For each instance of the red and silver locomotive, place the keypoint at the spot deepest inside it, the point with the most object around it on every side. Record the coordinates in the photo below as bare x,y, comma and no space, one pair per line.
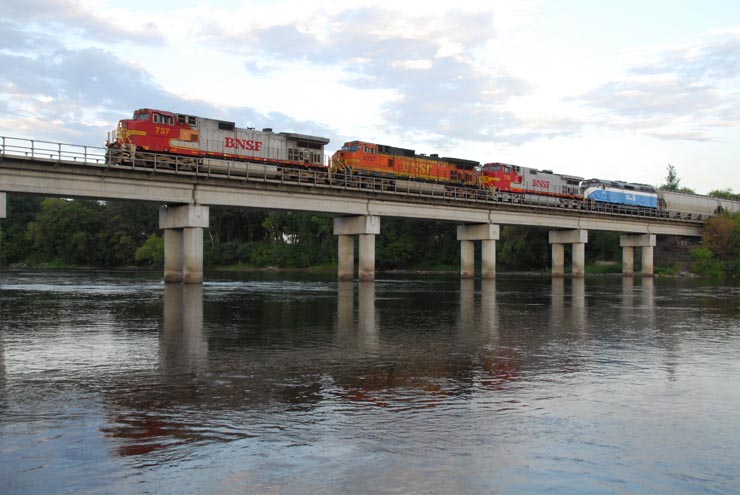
157,131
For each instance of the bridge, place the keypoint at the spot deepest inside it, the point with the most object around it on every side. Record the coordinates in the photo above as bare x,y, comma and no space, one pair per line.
186,188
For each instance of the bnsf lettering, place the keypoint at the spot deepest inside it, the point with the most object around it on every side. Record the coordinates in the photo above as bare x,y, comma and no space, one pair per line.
541,183
245,144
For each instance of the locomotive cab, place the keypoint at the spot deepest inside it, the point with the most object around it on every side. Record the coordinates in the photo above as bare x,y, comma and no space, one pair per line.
352,154
501,176
157,131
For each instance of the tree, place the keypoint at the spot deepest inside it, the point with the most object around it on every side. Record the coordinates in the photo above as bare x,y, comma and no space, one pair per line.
725,194
721,236
152,251
671,180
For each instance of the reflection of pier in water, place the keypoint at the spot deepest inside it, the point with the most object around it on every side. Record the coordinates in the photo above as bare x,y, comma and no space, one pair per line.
415,366
182,344
573,315
482,317
638,302
363,331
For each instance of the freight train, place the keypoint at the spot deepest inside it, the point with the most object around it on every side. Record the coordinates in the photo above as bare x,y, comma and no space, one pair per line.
161,137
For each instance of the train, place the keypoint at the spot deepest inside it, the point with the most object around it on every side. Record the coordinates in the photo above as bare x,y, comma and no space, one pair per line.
156,136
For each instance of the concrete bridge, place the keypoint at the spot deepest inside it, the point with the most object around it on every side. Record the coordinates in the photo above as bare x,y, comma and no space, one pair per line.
358,203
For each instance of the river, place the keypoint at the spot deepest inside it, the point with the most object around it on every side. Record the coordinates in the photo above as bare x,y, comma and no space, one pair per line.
113,383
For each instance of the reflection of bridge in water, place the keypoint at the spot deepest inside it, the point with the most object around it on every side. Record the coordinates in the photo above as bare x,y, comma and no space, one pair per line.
365,360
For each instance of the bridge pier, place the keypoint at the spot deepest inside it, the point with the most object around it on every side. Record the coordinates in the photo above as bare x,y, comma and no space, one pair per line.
488,234
183,242
629,242
345,228
3,213
578,239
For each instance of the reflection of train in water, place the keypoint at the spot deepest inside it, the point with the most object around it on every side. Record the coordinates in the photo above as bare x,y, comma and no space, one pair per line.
165,139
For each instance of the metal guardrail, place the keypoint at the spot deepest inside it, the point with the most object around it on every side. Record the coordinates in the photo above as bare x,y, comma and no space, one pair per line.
244,172
46,150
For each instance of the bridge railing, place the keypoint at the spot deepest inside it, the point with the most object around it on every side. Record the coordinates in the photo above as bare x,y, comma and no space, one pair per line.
47,150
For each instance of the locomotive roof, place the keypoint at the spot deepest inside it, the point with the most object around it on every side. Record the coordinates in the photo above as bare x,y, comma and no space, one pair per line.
306,137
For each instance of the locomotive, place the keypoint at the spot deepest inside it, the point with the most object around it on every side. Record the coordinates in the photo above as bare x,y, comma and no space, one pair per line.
155,131
362,158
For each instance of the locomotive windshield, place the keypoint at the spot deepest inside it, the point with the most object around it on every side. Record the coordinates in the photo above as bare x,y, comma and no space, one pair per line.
142,116
351,147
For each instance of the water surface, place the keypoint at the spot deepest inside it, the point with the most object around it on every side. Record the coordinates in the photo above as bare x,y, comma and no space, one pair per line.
270,383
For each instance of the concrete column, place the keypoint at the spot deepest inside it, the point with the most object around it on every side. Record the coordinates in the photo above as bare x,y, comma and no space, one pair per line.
467,259
488,253
367,257
346,255
367,227
579,259
577,238
183,242
645,241
628,260
558,260
3,212
647,260
488,234
173,256
192,255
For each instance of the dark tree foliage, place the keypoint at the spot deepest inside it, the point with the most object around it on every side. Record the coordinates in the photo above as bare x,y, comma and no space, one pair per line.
719,255
603,246
524,248
21,210
725,194
414,244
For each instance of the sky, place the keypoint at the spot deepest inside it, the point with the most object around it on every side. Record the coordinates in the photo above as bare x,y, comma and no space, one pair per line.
592,88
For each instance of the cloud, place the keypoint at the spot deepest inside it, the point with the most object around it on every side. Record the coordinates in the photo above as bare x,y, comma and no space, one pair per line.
653,98
427,62
685,94
715,57
70,16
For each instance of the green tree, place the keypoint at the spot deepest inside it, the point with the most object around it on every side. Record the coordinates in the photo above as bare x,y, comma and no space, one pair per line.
725,194
524,248
672,182
152,251
21,210
721,235
720,252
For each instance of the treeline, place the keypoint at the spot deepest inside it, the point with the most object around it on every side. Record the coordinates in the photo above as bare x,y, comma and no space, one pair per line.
56,232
